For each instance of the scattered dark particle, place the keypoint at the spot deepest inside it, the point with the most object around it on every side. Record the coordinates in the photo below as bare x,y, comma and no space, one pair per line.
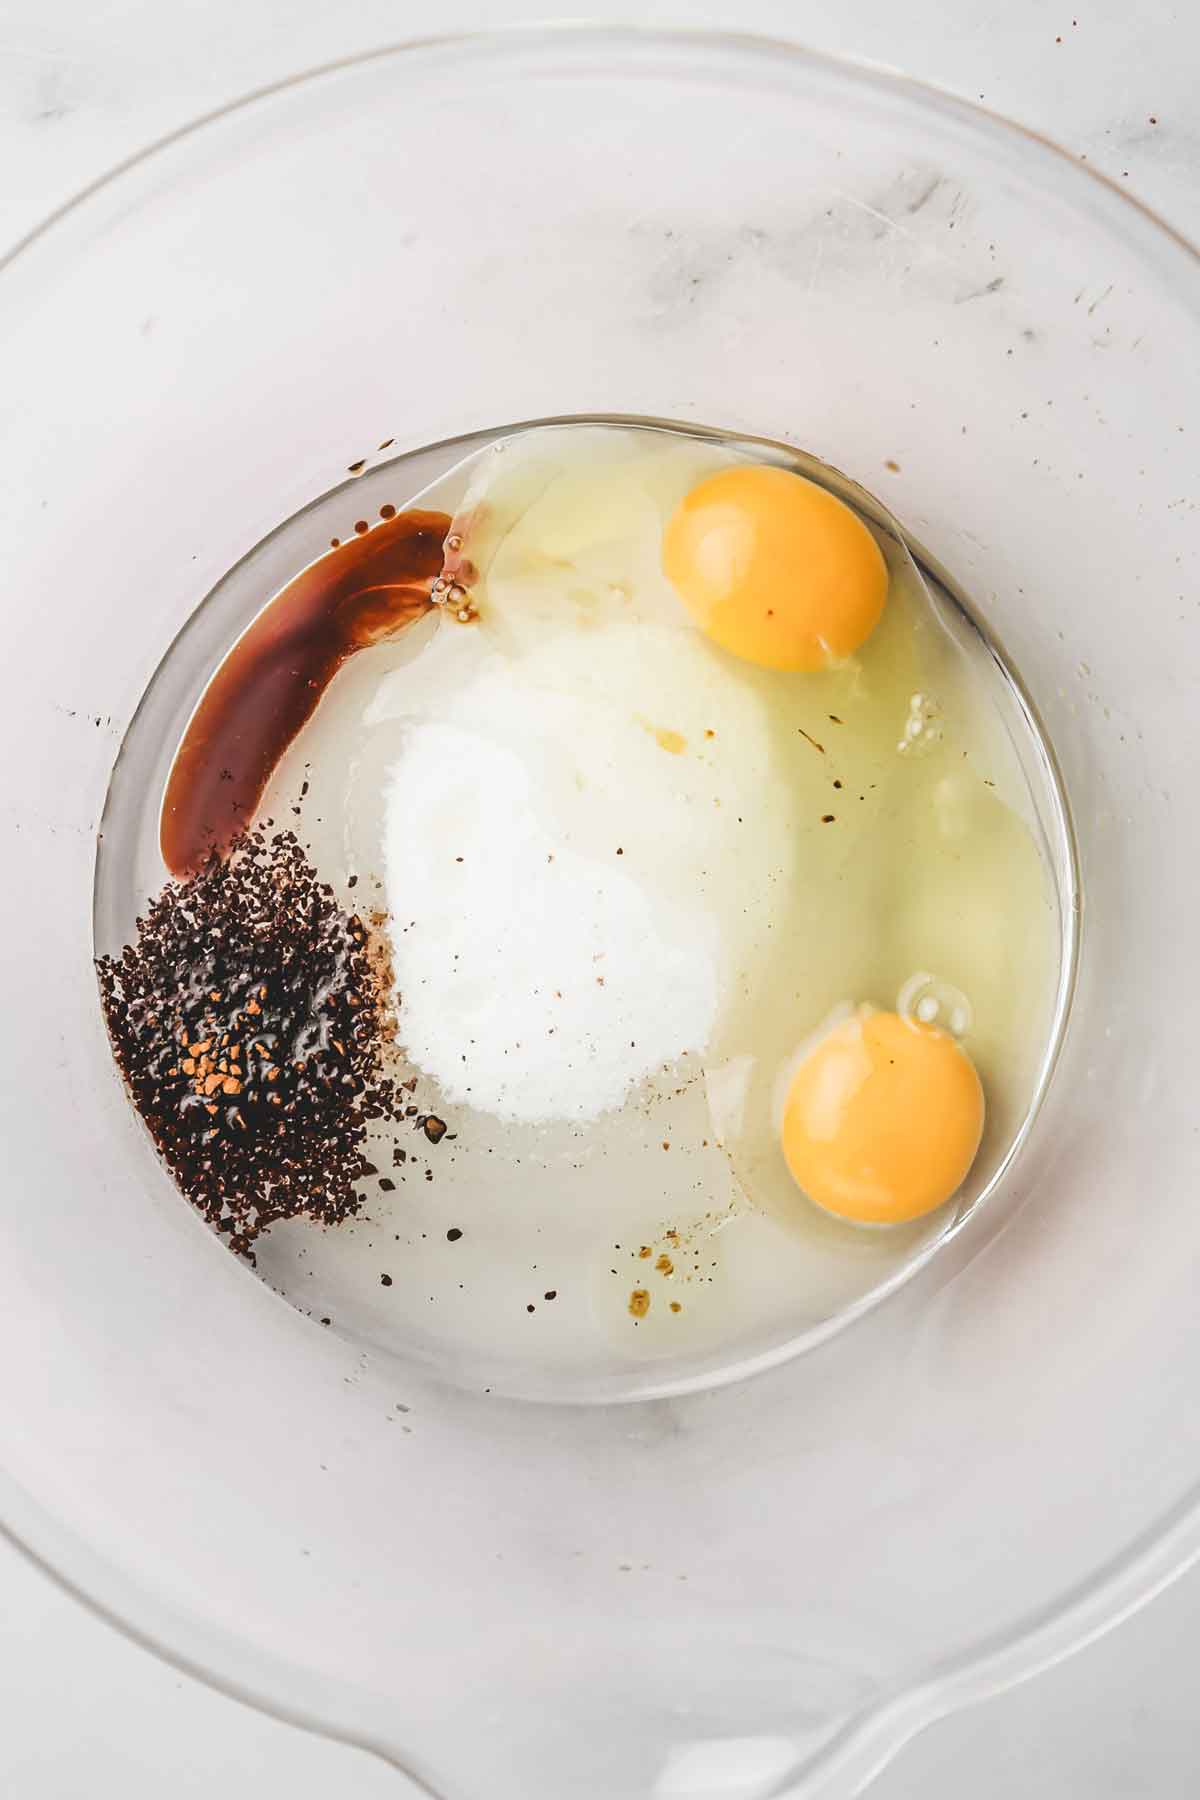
827,818
387,1184
834,720
385,1281
361,526
893,466
399,1157
837,784
335,543
453,1235
352,881
434,1128
620,852
356,468
326,1321
676,1307
250,954
387,511
387,443
531,1307
550,1294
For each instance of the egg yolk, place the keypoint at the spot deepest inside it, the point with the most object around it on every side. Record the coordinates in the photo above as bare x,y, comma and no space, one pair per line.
882,1119
774,568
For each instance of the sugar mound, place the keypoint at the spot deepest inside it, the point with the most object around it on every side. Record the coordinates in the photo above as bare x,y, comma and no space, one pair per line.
536,982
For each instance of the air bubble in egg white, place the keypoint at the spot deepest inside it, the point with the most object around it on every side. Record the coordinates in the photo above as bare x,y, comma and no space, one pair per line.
931,1001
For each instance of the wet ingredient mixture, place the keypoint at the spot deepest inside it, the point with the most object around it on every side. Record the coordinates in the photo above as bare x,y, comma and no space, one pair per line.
705,908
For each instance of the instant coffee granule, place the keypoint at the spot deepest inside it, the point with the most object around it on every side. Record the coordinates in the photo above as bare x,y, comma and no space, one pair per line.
250,1026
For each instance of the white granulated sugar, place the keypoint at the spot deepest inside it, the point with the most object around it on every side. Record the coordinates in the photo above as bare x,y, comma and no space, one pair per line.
536,981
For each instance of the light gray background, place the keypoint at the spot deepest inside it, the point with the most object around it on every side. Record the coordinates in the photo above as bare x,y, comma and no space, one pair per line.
83,83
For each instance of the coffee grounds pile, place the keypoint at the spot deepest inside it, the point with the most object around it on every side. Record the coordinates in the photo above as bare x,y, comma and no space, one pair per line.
247,1021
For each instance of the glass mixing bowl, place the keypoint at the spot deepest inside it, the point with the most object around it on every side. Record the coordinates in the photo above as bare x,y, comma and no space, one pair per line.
751,1590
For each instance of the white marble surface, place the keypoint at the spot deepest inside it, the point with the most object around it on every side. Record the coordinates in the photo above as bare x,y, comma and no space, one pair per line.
83,85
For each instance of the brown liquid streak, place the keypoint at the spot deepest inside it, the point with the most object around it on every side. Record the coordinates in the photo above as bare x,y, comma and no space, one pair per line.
269,684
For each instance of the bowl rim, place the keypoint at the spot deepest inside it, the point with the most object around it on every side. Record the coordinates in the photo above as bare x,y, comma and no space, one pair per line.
878,74
868,1740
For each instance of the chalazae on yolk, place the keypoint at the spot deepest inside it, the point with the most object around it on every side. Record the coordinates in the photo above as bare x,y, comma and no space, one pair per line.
775,569
882,1119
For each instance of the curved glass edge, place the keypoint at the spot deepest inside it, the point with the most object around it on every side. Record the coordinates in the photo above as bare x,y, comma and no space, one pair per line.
864,1747
582,31
868,1743
272,1685
843,1768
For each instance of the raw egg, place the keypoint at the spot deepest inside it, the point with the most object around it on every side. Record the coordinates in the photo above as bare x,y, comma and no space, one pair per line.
882,1119
774,568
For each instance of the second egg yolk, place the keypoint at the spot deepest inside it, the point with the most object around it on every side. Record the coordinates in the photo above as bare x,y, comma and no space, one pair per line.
882,1119
774,568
